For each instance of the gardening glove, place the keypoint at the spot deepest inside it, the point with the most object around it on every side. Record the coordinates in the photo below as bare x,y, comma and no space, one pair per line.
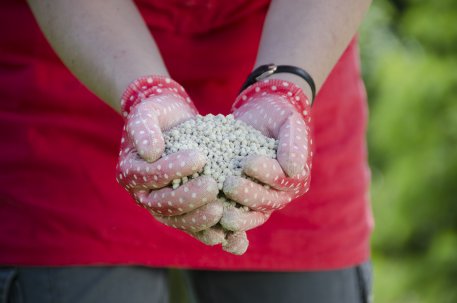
151,105
279,109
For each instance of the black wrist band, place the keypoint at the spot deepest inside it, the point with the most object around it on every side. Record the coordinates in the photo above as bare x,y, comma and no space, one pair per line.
267,70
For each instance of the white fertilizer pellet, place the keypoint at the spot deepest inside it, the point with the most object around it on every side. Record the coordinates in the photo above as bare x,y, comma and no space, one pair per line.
226,142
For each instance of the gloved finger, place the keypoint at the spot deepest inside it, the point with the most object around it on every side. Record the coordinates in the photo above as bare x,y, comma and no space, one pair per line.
211,236
268,171
236,243
197,220
233,242
293,145
254,195
264,169
147,120
238,219
137,173
174,202
144,132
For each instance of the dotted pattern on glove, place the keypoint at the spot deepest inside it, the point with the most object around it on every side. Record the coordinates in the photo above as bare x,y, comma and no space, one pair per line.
281,110
147,86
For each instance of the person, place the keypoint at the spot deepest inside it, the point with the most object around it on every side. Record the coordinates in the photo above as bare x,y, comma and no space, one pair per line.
70,233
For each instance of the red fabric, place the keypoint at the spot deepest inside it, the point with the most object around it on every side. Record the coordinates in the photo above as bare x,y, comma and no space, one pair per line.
59,200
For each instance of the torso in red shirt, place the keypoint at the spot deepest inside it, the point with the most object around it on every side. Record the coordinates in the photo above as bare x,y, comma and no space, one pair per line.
59,200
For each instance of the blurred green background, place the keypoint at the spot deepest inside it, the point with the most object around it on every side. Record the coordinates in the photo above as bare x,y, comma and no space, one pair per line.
409,59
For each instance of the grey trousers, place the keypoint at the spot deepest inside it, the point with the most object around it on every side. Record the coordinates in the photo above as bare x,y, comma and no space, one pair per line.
135,284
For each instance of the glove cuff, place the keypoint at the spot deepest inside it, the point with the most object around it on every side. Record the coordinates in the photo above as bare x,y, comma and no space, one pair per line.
286,89
153,85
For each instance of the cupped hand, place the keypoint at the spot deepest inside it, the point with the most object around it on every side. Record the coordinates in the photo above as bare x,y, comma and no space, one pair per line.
279,109
150,106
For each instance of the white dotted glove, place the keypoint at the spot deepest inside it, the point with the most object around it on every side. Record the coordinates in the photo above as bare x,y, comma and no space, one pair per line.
278,109
151,105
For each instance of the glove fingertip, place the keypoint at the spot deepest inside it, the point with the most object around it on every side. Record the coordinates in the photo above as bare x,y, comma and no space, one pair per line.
230,219
293,170
231,184
211,236
150,151
236,243
197,158
251,162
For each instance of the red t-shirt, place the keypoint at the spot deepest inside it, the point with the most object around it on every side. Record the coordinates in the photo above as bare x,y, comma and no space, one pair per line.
59,200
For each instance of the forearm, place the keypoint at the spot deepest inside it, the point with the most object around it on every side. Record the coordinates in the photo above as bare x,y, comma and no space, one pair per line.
104,43
311,34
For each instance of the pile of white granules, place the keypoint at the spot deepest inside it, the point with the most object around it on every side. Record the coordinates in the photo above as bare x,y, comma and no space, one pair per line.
224,141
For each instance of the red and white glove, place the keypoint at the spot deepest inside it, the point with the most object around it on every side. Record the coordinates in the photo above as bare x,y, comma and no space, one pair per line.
281,110
151,105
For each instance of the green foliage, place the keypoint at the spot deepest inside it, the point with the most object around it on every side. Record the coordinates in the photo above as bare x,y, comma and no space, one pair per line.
410,67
